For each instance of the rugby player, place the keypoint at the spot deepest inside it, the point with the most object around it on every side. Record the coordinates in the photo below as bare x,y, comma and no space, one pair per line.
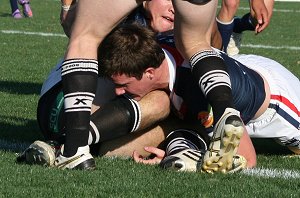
193,25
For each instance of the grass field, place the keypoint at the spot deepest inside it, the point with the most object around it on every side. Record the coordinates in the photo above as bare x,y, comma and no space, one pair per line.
29,48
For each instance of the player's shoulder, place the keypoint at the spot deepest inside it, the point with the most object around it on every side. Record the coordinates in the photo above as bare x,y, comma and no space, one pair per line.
167,42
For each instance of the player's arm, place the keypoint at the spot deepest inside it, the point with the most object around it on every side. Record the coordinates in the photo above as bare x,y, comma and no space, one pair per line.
258,8
67,15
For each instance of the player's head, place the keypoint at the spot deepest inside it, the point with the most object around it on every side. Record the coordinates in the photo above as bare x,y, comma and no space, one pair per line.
160,14
129,55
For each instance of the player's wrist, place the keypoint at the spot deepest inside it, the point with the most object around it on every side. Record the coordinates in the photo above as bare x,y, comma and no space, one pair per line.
67,5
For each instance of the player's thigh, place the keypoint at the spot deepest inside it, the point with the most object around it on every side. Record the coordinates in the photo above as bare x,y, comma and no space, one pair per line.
193,25
94,20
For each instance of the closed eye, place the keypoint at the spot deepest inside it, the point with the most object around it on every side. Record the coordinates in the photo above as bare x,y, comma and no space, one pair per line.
120,85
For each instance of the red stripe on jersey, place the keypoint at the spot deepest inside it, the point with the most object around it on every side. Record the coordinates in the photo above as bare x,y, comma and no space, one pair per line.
286,101
177,56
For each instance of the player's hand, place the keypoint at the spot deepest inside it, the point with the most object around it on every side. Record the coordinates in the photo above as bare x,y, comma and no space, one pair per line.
260,11
159,155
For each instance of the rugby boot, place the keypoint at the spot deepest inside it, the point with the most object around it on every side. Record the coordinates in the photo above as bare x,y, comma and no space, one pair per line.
239,163
17,14
224,143
26,8
189,160
82,160
234,44
40,153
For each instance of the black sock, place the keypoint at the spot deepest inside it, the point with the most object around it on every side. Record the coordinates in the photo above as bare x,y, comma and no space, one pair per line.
79,78
14,6
209,70
225,30
114,119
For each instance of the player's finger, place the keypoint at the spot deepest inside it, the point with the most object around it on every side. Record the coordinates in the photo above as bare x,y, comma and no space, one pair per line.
156,151
137,157
140,159
264,24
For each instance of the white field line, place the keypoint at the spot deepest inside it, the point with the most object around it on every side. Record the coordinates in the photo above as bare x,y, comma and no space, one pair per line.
32,33
272,173
293,48
274,10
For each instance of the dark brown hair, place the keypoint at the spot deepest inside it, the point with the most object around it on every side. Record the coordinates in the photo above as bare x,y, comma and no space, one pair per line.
129,49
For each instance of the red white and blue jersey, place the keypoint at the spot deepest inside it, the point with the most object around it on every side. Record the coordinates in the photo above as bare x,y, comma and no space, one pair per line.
190,103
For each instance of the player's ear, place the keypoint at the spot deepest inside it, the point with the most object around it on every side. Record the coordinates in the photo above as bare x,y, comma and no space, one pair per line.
150,71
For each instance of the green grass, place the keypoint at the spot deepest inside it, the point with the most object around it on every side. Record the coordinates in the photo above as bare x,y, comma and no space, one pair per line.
27,59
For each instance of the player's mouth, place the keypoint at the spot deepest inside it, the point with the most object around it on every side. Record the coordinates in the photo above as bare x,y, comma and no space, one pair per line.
169,19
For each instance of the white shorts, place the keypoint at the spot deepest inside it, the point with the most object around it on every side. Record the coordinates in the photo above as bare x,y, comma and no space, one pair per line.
281,120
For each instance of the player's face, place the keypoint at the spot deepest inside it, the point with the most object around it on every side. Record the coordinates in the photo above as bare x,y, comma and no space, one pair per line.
161,14
132,86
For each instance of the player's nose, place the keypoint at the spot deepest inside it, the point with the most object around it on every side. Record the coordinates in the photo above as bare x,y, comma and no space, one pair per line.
120,91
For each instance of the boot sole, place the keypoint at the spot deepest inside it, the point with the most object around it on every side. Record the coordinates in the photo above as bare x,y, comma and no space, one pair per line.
222,161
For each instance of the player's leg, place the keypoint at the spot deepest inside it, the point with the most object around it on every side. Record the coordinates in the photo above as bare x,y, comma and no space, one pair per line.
285,99
192,34
281,119
124,146
94,20
193,26
113,120
246,149
50,112
151,136
225,20
153,108
154,136
26,8
216,38
15,12
122,116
